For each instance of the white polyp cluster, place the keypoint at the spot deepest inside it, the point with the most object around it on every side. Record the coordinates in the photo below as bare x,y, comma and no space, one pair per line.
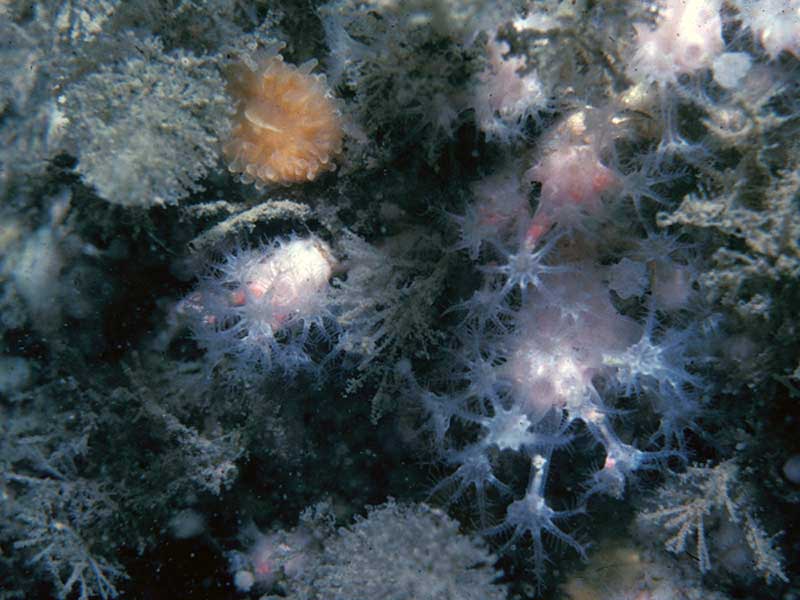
506,94
688,38
628,278
287,282
572,174
258,306
558,347
775,23
547,375
508,429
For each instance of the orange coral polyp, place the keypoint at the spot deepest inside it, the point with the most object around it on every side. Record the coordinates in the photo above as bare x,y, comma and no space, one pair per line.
286,129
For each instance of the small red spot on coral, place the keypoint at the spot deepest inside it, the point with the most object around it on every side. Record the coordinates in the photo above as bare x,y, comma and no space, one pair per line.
538,227
603,179
238,298
263,568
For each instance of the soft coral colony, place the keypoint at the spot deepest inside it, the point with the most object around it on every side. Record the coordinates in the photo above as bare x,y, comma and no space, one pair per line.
505,222
582,306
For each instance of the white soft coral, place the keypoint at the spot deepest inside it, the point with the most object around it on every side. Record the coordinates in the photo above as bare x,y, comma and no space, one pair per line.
531,515
688,38
506,95
258,306
776,23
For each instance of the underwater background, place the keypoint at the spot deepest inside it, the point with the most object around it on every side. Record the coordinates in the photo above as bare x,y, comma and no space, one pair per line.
400,299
